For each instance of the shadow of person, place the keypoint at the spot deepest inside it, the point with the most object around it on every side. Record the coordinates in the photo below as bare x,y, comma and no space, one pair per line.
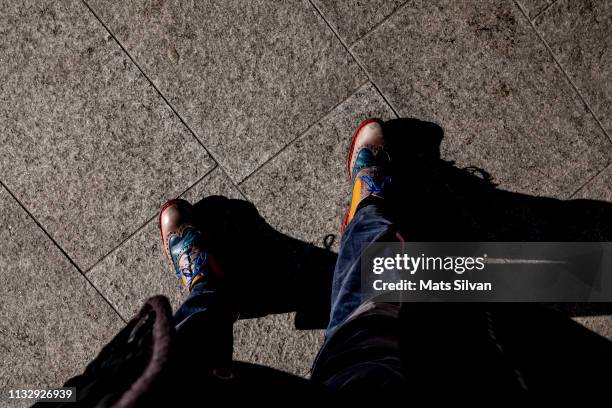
437,201
433,200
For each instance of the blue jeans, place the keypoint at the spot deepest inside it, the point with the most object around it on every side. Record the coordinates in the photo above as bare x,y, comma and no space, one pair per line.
204,324
207,307
370,224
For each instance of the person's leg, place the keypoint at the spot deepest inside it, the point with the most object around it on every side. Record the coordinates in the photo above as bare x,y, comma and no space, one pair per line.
361,350
370,224
204,321
365,221
204,325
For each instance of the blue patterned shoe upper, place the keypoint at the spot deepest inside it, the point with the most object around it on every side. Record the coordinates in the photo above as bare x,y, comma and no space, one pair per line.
188,257
366,158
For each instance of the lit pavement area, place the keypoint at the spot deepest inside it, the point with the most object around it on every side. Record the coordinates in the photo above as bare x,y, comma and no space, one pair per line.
111,108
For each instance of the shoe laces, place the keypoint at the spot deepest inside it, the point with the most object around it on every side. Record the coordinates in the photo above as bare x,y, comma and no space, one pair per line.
374,187
195,266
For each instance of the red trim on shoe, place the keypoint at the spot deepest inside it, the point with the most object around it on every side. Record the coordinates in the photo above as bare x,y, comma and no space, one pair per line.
350,154
161,211
344,221
348,165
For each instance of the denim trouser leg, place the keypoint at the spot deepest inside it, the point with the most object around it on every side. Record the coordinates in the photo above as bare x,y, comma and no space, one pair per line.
204,322
206,317
369,225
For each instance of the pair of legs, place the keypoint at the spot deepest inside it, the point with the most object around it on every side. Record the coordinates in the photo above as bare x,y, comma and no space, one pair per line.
210,303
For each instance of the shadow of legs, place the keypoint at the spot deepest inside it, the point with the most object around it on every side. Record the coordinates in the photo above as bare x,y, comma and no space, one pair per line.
271,272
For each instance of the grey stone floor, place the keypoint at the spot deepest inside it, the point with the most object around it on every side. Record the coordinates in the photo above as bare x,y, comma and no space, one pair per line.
110,108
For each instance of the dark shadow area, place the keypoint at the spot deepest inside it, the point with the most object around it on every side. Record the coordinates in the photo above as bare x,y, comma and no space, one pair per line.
435,201
270,271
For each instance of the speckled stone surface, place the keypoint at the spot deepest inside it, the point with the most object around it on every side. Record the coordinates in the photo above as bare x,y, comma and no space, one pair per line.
247,77
352,19
579,33
86,144
479,70
52,321
534,7
303,192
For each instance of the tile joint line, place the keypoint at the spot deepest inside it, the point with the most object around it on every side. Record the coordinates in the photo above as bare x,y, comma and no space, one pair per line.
141,227
301,134
544,10
167,102
590,179
64,253
380,23
569,79
531,22
347,48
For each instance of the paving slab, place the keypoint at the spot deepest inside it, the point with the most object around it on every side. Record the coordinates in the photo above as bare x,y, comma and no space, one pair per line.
303,192
535,7
247,77
480,71
579,32
52,321
137,270
86,143
352,19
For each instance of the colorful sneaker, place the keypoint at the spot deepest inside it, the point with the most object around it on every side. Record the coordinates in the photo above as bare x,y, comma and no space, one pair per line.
367,166
183,244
